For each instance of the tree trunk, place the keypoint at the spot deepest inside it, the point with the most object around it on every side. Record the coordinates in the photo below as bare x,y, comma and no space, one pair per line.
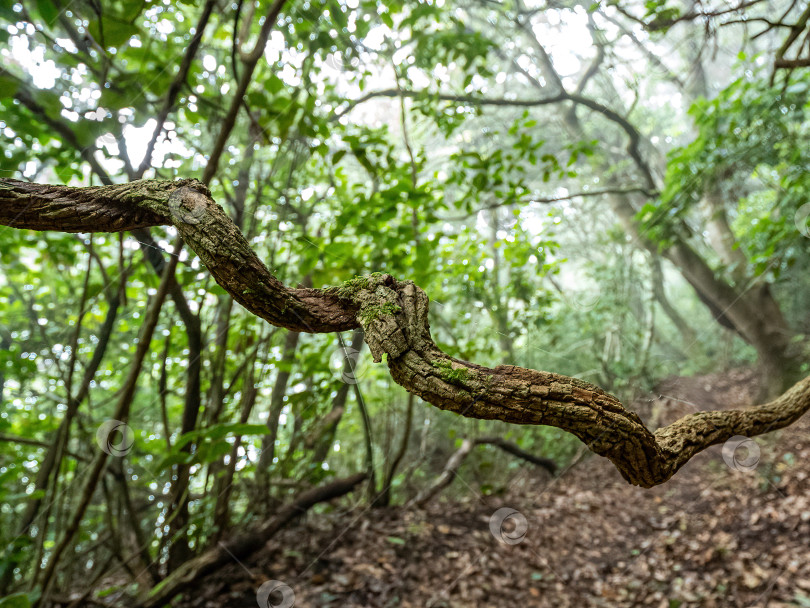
276,406
752,313
326,437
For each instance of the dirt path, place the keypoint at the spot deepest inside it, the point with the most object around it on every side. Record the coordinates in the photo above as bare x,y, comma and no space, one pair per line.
712,536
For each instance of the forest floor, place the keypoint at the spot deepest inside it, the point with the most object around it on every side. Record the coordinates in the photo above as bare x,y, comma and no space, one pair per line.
712,536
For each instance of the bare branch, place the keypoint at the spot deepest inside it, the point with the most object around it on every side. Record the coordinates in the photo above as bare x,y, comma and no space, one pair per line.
457,459
176,85
250,65
554,199
661,24
632,133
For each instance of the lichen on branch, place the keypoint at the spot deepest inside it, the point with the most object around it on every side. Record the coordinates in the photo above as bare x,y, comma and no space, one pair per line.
394,315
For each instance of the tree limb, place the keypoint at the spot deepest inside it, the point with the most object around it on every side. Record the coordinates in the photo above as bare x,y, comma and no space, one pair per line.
176,85
632,133
394,315
459,456
512,448
547,200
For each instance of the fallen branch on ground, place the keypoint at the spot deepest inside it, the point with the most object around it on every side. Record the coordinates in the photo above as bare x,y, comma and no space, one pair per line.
460,455
512,448
194,570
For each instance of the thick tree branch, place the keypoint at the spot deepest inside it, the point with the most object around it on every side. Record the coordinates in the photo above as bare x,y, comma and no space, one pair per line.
394,316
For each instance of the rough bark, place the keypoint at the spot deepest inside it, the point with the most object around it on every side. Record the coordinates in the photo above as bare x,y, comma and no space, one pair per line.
394,316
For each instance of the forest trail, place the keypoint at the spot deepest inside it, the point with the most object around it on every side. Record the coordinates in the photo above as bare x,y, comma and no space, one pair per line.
215,217
712,536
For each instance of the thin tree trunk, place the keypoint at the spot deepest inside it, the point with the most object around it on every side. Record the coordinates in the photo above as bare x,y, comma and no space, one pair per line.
60,437
216,393
224,482
367,434
384,498
276,406
148,564
5,344
121,414
688,335
326,438
178,514
178,507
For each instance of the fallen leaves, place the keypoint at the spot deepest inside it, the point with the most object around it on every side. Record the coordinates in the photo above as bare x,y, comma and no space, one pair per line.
711,537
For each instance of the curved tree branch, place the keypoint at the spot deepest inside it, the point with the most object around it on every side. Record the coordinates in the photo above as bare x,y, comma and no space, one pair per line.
394,316
633,135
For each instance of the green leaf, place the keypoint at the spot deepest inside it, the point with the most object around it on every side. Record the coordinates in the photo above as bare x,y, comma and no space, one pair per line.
222,430
17,600
8,87
48,12
112,31
337,156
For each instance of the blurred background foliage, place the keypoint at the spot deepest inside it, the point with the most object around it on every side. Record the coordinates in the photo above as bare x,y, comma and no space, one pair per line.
477,148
